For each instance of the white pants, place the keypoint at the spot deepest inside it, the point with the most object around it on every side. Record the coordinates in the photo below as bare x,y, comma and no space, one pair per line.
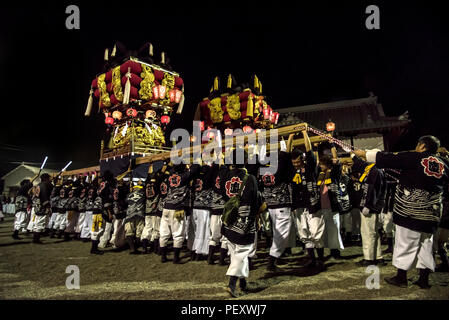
311,229
21,220
413,246
386,220
118,236
39,223
171,227
80,223
87,226
215,232
239,266
332,237
52,219
32,219
151,229
60,221
98,227
201,229
371,243
254,249
106,235
281,219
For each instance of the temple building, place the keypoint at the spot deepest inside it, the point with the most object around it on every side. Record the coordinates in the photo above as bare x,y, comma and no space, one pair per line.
359,122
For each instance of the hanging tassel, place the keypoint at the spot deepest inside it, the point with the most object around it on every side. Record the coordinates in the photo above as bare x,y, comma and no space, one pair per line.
163,58
127,87
148,128
89,103
106,54
229,84
216,84
256,82
115,132
125,129
260,87
114,50
151,50
250,107
181,102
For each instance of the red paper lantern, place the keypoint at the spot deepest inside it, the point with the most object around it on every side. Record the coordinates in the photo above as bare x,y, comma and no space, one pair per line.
165,119
210,134
178,95
162,89
330,126
172,95
202,125
266,113
247,129
117,115
109,120
131,112
156,92
276,118
228,132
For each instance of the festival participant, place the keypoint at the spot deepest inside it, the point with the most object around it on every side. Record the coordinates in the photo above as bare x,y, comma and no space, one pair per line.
417,207
355,196
135,219
61,218
334,198
86,230
54,200
82,210
442,234
277,196
387,214
72,210
202,199
241,230
119,207
22,201
174,214
216,240
152,221
371,204
42,207
102,209
311,219
163,190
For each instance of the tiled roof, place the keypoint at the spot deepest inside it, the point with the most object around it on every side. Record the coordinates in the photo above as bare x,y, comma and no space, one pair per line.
350,116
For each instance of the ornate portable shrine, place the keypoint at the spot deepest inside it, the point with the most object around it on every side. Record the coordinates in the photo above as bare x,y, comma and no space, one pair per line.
238,107
137,98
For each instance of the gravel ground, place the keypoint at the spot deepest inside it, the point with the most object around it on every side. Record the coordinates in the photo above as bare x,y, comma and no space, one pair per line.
31,271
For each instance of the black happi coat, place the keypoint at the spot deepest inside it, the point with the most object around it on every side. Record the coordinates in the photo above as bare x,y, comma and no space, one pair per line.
217,197
152,190
337,183
275,184
119,204
374,185
299,189
163,191
418,198
243,231
136,203
178,183
105,198
41,200
202,186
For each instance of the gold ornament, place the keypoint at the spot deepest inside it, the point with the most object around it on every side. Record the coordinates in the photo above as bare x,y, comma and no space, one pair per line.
147,84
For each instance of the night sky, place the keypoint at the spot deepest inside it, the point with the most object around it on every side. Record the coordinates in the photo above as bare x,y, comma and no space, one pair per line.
303,54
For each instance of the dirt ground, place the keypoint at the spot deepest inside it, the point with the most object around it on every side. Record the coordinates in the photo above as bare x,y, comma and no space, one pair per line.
31,271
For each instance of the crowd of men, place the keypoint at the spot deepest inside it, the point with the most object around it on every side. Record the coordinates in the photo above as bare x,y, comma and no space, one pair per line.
305,200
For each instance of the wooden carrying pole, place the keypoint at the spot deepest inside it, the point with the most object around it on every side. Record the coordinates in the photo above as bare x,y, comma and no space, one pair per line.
231,141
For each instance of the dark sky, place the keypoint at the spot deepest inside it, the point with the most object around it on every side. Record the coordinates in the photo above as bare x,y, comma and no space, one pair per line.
303,54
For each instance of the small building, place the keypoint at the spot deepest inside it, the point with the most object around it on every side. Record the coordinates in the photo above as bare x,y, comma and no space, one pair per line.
359,122
11,180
